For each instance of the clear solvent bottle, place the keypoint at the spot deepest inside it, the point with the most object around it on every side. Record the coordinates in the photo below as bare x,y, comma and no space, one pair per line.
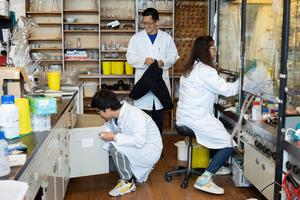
4,162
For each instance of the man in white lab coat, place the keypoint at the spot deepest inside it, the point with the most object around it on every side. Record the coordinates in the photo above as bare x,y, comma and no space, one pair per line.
145,47
199,86
135,142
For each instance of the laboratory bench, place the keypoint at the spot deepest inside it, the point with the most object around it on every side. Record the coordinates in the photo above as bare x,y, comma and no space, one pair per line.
71,149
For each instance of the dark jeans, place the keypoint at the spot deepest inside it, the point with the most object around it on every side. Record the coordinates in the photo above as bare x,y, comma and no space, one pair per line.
157,116
219,159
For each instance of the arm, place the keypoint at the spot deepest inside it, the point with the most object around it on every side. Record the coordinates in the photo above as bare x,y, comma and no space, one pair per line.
138,134
171,54
217,85
133,57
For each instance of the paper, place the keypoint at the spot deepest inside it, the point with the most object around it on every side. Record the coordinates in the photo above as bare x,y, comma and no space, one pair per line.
12,190
87,142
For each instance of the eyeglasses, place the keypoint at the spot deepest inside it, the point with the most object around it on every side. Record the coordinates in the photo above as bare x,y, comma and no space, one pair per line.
148,23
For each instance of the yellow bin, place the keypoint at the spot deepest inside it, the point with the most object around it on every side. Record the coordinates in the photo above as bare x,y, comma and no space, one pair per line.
200,157
106,68
113,67
128,69
24,114
54,80
119,67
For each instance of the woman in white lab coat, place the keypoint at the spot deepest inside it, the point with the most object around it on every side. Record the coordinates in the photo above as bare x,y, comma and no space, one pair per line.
135,141
146,46
199,87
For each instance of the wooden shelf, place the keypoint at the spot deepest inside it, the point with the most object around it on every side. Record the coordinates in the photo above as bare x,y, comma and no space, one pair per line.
119,19
51,60
44,39
114,51
89,76
36,49
81,10
83,48
83,60
81,23
49,23
117,31
121,91
81,31
161,11
113,59
117,76
44,12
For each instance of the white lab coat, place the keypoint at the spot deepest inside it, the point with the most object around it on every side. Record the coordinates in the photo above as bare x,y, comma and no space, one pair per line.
197,94
138,138
139,48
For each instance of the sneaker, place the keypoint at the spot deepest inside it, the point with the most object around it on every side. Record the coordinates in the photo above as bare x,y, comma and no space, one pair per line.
204,178
223,171
210,187
123,187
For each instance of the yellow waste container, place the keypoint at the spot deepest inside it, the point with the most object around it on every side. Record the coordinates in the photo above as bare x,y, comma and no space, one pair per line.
24,114
113,68
200,157
119,67
54,80
106,68
128,69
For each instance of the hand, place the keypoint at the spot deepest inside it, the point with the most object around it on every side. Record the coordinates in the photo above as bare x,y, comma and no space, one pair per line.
149,61
107,136
160,63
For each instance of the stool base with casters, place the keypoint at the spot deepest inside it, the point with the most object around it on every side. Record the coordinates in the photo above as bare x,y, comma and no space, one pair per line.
187,171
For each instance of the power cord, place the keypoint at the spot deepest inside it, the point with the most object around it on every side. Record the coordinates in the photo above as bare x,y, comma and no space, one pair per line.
261,191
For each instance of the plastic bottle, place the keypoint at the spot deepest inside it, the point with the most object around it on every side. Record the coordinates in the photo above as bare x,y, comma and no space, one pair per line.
9,117
4,163
256,110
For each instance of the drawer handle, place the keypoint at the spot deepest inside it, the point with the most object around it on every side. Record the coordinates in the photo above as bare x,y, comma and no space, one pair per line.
256,160
263,166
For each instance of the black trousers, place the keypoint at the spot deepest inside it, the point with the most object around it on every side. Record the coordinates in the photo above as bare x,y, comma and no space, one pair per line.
157,116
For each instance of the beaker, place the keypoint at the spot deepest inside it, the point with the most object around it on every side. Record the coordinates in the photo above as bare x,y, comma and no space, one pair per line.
55,6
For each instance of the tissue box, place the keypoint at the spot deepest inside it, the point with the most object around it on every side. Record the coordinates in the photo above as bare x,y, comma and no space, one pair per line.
43,105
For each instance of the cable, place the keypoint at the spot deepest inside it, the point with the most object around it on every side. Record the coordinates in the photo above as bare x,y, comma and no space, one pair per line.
261,191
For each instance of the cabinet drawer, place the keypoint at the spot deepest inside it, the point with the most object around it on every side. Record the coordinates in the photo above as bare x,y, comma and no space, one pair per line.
87,157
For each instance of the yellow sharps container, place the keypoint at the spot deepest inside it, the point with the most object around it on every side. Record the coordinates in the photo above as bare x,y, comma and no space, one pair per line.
119,67
106,68
128,69
24,114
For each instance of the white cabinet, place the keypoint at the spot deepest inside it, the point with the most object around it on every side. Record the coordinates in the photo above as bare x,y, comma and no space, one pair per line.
87,157
259,170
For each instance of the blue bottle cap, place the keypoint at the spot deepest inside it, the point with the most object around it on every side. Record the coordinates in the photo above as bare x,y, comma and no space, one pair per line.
265,110
1,135
7,99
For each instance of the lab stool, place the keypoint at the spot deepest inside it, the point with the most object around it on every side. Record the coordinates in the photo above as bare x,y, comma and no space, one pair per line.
187,171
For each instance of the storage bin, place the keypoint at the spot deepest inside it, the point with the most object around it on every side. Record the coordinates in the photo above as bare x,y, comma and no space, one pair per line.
128,69
106,68
119,67
200,157
182,149
89,89
54,80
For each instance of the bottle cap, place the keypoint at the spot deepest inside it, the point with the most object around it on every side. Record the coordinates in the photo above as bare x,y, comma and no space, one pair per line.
255,103
1,135
8,99
265,110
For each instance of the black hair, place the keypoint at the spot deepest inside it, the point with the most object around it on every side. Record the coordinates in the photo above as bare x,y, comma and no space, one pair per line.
104,99
200,52
151,12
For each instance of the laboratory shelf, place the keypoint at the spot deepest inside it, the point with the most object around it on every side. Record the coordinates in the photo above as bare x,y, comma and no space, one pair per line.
293,91
292,148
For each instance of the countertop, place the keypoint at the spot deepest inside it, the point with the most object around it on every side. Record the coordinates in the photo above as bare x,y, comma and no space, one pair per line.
34,140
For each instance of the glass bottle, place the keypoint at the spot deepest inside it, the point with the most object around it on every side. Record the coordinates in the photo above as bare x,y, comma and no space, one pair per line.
55,6
40,5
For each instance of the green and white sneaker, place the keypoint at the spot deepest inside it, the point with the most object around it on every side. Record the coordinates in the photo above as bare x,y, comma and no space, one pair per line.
210,187
223,171
123,187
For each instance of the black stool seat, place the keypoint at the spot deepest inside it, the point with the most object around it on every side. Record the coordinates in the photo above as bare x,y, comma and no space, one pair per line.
187,171
185,131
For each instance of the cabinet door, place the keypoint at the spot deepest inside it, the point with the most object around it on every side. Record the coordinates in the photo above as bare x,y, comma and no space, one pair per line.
87,157
252,162
267,170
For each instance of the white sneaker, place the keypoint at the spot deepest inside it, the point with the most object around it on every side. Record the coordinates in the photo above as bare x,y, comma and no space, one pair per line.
210,187
123,187
223,171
